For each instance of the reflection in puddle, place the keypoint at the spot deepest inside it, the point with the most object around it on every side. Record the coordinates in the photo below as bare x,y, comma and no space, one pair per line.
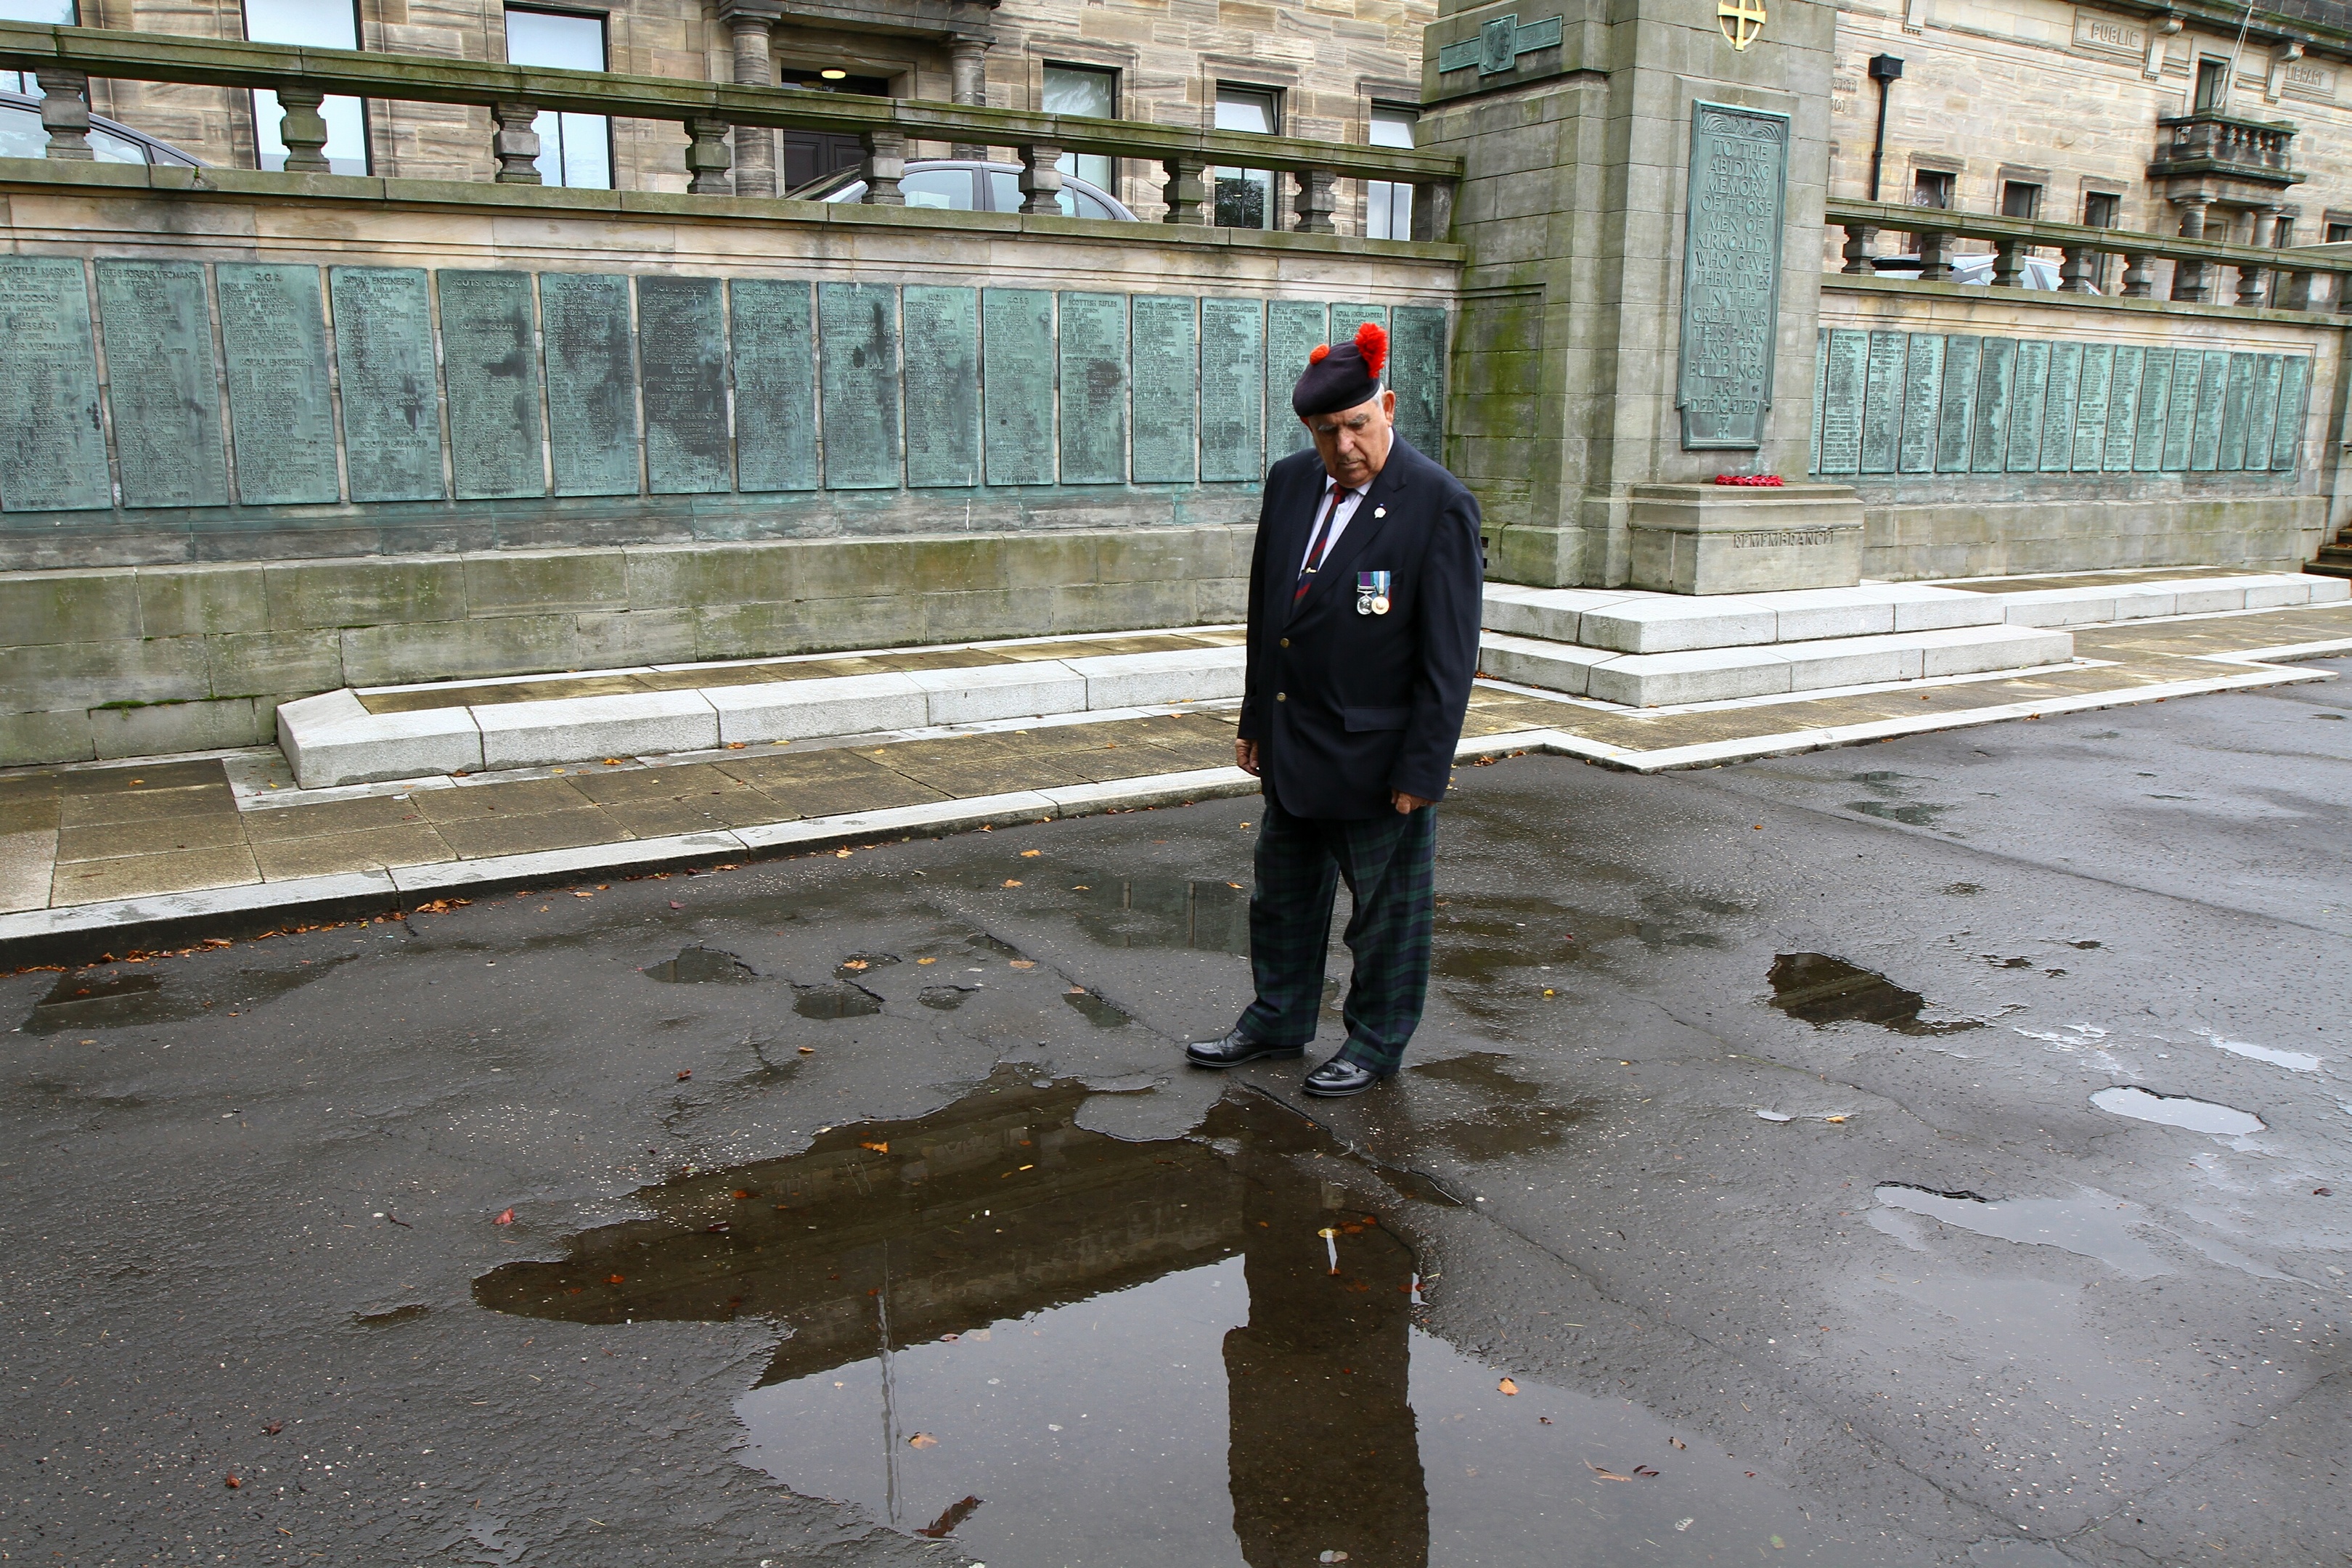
944,998
2178,1111
1102,1015
2090,1225
1911,813
1816,989
2293,1062
701,965
1192,1350
1164,911
1516,1117
96,998
834,1001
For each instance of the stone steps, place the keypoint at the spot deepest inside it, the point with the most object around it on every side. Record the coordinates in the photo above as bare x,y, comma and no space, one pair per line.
1727,673
336,739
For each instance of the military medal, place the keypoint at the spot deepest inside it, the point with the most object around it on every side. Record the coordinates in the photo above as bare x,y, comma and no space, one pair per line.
1371,593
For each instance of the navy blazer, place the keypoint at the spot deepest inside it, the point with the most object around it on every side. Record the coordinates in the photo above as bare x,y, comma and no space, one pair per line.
1348,707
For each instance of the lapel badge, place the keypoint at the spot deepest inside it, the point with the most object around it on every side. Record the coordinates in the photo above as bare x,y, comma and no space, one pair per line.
1380,512
1371,593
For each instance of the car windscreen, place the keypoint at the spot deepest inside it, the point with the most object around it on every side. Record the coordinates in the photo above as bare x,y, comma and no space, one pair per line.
22,136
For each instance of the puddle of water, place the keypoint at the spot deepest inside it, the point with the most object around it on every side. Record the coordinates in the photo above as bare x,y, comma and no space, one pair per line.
1185,1352
2090,1224
2178,1111
700,966
96,998
1163,911
2293,1062
391,1317
944,998
1816,989
1911,813
1515,1116
834,1001
1102,1015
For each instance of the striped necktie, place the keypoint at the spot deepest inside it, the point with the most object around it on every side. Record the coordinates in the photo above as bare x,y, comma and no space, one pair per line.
1319,546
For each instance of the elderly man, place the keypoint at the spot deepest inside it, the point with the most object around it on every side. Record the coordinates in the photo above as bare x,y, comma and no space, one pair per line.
1363,637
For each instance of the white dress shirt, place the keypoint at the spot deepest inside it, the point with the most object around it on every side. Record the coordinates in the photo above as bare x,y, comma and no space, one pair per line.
1348,501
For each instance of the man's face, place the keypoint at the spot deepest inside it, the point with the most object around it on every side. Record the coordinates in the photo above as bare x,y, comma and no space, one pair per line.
1354,442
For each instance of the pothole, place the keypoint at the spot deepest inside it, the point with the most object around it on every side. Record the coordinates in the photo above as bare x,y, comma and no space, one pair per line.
1817,989
2178,1111
702,966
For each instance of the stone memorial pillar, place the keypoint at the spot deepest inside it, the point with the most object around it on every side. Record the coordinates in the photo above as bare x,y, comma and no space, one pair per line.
751,23
1641,201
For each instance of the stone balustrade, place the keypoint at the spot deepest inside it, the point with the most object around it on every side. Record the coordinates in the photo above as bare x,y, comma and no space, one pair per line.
2284,278
64,60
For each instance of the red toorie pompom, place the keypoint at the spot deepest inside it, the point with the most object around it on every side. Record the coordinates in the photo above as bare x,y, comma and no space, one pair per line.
1315,355
1372,342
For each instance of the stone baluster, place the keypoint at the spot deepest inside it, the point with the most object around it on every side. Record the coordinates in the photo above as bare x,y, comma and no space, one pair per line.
2076,263
1041,180
516,143
1935,256
752,26
968,84
1859,238
706,156
2294,291
2139,275
885,166
2008,262
1186,190
1317,198
2253,284
2189,279
1433,211
65,113
303,130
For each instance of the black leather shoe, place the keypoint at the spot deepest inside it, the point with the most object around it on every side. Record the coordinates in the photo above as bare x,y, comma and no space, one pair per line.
1339,1078
1234,1049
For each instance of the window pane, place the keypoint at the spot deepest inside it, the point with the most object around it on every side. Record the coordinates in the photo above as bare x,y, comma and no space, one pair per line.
1003,191
1245,196
948,188
1388,204
574,150
1242,110
1078,204
107,147
1392,127
327,27
1073,89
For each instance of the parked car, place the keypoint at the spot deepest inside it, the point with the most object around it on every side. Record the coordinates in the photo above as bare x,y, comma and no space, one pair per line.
968,185
21,136
2032,271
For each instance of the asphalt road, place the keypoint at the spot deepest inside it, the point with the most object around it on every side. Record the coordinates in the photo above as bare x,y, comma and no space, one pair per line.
1750,1137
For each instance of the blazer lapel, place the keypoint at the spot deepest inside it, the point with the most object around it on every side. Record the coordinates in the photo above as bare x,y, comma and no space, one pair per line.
1372,516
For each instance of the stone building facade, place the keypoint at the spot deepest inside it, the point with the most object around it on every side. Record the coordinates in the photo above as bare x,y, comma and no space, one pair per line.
2122,116
1339,69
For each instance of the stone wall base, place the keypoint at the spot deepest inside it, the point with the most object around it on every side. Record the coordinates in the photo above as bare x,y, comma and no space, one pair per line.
1730,538
138,661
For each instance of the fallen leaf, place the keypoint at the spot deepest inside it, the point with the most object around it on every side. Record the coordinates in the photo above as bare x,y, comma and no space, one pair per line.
1678,1443
505,1218
1233,884
841,854
1643,1470
1600,1474
878,1148
922,1440
676,905
954,1514
737,745
1011,883
274,1428
808,1051
615,1278
2323,1192
1024,963
582,893
1332,1557
1777,1541
1031,854
1543,1420
612,762
1835,1118
926,961
741,1194
1082,887
1507,1386
854,963
232,1480
684,1073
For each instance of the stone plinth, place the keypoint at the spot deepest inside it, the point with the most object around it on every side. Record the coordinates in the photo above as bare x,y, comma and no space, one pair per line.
1731,539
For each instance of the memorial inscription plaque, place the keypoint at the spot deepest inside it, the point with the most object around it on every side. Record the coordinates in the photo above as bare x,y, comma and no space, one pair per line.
1293,329
942,386
2212,394
2123,408
1417,372
2058,394
2180,421
1017,392
1167,358
2294,385
1841,395
1731,275
2155,412
1989,432
1958,414
2261,419
1094,389
1820,396
53,451
592,383
1232,390
2236,400
1923,385
857,330
162,383
2094,390
2026,399
274,343
775,384
682,352
392,403
1882,402
492,377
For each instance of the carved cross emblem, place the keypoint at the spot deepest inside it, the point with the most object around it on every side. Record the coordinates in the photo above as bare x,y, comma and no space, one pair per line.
1740,20
1499,44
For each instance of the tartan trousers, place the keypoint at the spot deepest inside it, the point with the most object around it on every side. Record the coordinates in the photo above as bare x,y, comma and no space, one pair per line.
1389,862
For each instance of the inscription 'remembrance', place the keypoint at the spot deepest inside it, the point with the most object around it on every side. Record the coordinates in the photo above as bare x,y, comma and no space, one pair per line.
391,406
53,449
1731,275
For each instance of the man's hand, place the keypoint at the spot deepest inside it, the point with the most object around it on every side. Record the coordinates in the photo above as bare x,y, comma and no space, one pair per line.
1406,805
1245,756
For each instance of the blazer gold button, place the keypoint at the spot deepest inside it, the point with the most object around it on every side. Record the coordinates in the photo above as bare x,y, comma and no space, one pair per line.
1286,642
1282,697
